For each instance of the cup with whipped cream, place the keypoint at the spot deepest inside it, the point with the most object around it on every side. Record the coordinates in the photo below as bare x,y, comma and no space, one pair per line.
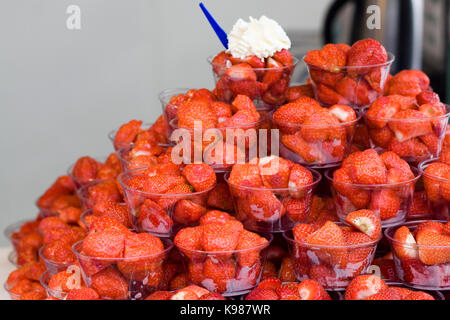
257,64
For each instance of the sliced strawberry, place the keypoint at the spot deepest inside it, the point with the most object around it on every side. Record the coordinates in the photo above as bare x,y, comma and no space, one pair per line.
312,290
408,124
299,177
380,111
364,286
412,148
386,203
303,231
201,176
365,221
405,245
434,248
275,172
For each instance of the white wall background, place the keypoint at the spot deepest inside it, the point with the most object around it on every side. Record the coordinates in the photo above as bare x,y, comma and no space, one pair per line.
61,91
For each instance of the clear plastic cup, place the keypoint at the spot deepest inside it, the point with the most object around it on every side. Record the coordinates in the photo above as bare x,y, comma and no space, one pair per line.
230,273
320,153
265,96
135,278
414,147
390,201
99,191
12,258
356,86
128,164
12,295
161,214
267,210
332,266
438,205
53,266
411,271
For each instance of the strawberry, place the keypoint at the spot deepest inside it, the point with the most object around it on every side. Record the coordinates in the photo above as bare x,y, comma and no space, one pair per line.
434,248
284,57
219,273
408,124
357,92
220,198
299,177
106,223
187,212
360,250
367,52
85,170
368,168
343,113
127,134
380,111
188,239
410,148
392,161
365,221
246,175
295,112
364,286
302,232
288,291
409,83
385,294
221,62
51,223
330,58
263,206
404,244
330,235
419,295
296,92
218,237
161,184
140,256
386,203
59,252
189,291
242,71
215,216
430,226
110,284
113,210
104,244
275,172
415,272
270,283
287,271
321,126
312,290
323,274
82,294
190,112
262,294
246,87
248,240
428,97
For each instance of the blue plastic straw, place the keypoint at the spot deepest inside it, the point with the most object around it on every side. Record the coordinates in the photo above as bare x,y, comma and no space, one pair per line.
217,29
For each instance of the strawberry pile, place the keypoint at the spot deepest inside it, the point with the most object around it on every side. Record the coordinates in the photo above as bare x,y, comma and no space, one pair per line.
333,254
312,135
347,75
371,287
436,178
382,183
220,254
411,127
274,289
271,195
159,197
264,80
422,253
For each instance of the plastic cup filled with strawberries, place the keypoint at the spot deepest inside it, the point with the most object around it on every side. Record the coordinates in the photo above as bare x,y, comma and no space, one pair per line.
165,197
312,135
272,194
121,264
382,183
421,251
352,75
221,255
333,254
436,178
412,127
